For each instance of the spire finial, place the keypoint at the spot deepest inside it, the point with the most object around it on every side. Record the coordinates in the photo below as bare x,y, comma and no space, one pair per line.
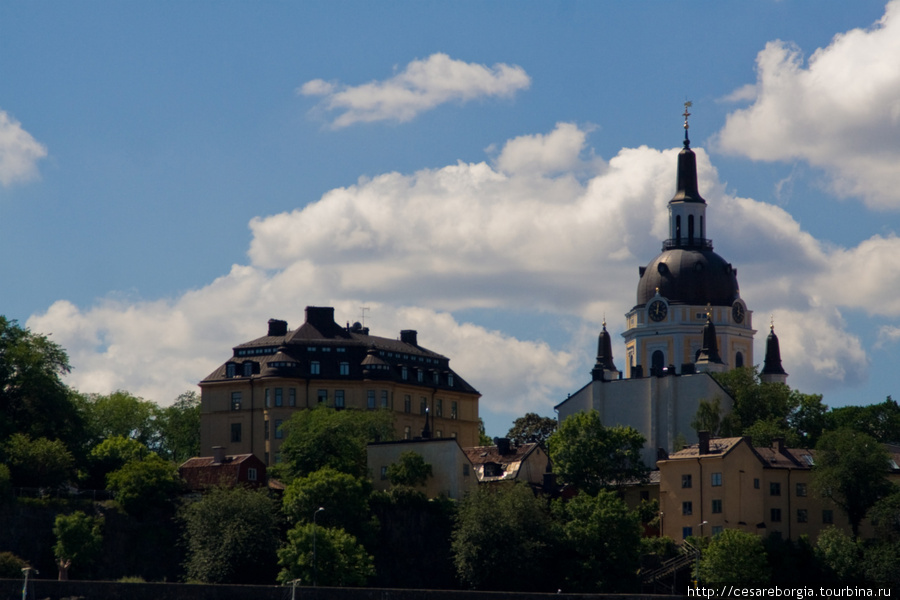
772,322
708,311
687,114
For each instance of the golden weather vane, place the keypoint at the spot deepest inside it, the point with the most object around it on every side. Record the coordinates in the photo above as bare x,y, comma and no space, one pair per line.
686,114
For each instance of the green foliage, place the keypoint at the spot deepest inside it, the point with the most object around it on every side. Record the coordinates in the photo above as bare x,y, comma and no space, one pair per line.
766,431
839,554
5,483
808,420
885,516
339,559
145,484
78,540
325,437
344,497
122,414
663,547
502,540
178,428
734,556
881,421
11,566
110,455
483,438
708,418
881,562
601,543
410,470
532,428
37,462
231,536
593,457
33,399
851,469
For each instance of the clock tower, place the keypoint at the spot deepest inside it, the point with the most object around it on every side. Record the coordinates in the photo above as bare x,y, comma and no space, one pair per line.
689,314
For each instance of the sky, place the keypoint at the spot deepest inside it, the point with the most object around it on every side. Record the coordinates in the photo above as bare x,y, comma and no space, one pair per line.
491,174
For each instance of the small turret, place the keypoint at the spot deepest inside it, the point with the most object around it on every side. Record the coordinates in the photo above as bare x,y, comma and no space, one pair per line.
709,359
772,371
604,369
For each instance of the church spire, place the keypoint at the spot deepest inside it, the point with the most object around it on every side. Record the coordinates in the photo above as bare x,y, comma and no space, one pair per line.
604,369
687,208
709,359
772,371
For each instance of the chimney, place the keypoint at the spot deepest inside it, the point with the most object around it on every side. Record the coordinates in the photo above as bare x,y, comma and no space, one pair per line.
277,328
320,317
778,445
502,445
218,454
408,336
703,446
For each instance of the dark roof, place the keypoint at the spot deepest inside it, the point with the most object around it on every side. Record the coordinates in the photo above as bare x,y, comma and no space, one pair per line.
689,276
203,471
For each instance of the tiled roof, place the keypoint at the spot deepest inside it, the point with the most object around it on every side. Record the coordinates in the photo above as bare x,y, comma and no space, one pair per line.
203,471
509,463
720,446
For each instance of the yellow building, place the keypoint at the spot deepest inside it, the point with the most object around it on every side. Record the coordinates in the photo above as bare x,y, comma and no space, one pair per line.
246,400
726,483
452,474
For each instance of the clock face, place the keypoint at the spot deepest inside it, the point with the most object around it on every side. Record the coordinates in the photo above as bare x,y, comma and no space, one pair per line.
737,312
658,310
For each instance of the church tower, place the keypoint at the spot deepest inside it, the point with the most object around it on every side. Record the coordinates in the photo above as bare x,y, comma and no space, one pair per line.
687,294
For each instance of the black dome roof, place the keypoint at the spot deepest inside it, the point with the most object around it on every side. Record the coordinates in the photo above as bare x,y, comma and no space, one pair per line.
689,276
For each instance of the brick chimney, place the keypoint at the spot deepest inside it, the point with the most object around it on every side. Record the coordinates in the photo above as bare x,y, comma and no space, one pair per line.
703,446
409,336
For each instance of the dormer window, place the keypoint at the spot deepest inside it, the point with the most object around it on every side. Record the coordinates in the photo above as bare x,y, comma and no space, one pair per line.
230,369
315,368
450,379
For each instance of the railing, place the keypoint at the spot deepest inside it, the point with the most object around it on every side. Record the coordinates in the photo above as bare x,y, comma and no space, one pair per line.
689,243
669,569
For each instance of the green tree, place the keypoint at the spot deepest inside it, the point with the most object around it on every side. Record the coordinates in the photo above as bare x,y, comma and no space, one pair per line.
532,429
809,419
593,457
754,400
339,559
734,556
37,462
765,431
344,497
11,565
33,399
5,484
410,470
231,536
851,469
491,521
839,554
709,417
881,421
110,455
483,438
885,516
78,540
178,428
122,414
145,484
325,437
601,543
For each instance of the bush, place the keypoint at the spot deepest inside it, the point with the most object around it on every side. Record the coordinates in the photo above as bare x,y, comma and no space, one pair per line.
11,566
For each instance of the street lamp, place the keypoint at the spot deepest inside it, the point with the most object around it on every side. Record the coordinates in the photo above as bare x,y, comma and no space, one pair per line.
315,566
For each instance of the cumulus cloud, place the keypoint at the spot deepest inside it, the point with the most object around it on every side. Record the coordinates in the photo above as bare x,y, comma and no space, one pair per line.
520,232
840,111
421,86
19,152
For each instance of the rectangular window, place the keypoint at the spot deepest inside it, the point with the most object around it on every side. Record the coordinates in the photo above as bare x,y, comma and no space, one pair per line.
450,379
465,470
420,375
423,405
827,517
230,370
235,401
435,378
384,398
717,506
235,433
407,433
454,410
801,490
687,532
756,483
315,368
251,474
322,396
341,349
439,408
686,481
802,515
268,398
407,403
383,473
774,489
687,508
404,373
279,434
716,479
248,369
279,398
345,368
370,399
775,513
278,458
292,396
339,398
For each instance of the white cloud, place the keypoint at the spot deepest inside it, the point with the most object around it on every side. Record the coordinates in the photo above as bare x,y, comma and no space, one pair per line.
421,86
840,112
19,152
419,248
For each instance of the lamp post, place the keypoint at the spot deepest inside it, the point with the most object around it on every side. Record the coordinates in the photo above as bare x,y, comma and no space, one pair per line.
697,563
315,565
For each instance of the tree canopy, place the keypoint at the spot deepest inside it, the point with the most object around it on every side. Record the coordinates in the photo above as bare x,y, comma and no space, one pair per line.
339,559
532,429
78,540
344,497
593,457
410,470
734,556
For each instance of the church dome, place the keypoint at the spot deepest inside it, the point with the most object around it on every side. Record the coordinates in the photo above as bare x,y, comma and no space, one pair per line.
689,276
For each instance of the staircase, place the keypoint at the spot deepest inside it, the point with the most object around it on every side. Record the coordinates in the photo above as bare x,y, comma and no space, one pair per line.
665,578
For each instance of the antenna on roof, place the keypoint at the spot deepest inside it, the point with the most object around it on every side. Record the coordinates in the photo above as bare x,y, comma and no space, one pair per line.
362,310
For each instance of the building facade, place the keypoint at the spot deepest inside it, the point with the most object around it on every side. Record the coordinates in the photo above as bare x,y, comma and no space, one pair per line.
452,474
245,401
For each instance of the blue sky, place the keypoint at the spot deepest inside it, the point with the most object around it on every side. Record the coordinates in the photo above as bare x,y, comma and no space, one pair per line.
491,174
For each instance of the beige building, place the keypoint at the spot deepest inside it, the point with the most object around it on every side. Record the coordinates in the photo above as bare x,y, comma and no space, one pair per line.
245,401
452,473
726,483
525,463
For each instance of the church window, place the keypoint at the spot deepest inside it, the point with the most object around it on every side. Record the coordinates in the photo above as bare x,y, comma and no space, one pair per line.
657,361
739,360
690,228
678,227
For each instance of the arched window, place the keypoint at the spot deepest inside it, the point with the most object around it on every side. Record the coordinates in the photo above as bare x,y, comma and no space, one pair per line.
702,230
690,228
657,361
739,360
677,228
